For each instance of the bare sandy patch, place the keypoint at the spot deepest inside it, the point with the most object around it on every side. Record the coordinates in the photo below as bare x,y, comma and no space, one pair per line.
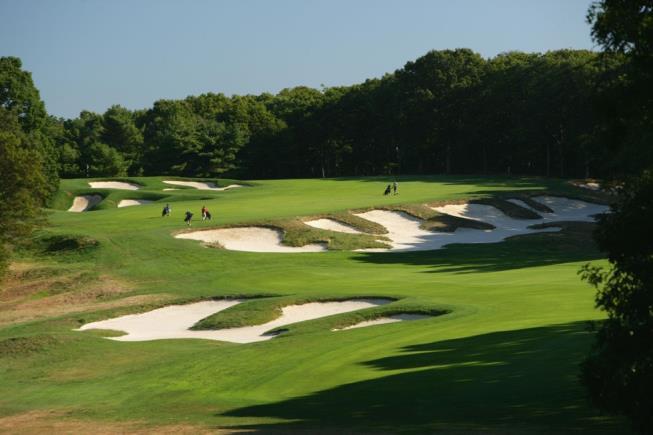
170,188
113,185
383,320
84,202
174,321
201,185
332,225
64,422
132,202
251,239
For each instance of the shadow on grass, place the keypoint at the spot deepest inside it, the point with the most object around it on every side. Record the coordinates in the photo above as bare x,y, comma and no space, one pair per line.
573,243
522,381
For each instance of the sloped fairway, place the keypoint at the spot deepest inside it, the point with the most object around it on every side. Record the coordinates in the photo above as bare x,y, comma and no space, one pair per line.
504,358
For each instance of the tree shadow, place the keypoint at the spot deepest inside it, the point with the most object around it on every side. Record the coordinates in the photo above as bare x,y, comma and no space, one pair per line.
573,243
522,381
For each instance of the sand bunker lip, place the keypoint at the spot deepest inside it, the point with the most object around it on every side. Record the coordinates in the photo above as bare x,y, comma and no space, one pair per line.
85,202
113,185
383,320
250,239
174,321
201,185
332,225
132,202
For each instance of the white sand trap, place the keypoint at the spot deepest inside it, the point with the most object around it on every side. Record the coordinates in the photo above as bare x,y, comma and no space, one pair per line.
403,231
567,209
83,203
591,185
332,225
131,202
201,185
170,188
251,239
522,204
382,320
405,234
113,185
174,321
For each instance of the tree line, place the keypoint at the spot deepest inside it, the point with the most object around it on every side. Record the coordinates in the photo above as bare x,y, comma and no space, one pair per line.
449,111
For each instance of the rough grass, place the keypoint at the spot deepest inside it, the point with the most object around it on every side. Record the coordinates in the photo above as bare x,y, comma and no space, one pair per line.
353,221
70,421
20,346
66,242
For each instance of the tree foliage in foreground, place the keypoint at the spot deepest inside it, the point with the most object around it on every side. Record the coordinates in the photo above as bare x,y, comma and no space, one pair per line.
27,161
619,372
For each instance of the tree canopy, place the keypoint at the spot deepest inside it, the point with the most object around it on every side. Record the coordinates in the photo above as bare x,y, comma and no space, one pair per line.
449,111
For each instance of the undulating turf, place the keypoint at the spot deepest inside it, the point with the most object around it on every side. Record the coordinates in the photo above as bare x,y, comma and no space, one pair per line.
501,352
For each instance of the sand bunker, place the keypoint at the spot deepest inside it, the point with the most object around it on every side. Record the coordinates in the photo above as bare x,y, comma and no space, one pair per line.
382,320
332,225
591,185
251,239
113,185
170,188
83,203
131,202
405,234
201,185
565,209
174,321
403,231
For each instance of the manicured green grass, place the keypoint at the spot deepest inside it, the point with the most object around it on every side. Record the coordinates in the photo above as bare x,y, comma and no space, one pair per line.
502,355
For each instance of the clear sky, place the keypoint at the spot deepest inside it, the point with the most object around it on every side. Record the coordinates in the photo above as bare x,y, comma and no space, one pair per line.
90,54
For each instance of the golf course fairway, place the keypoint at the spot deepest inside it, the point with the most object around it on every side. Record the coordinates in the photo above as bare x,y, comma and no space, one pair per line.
499,352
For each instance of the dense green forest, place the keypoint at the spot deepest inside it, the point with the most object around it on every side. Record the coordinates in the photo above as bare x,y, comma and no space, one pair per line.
449,111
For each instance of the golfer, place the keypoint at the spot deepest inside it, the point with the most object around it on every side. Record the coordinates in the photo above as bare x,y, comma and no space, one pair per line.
188,218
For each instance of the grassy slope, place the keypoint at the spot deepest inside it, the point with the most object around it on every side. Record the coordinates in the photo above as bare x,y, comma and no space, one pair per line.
505,357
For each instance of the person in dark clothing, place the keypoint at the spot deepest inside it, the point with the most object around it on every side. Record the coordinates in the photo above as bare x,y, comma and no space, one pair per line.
188,218
166,210
387,190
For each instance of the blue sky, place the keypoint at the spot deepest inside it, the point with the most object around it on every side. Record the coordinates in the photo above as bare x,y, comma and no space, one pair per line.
90,54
